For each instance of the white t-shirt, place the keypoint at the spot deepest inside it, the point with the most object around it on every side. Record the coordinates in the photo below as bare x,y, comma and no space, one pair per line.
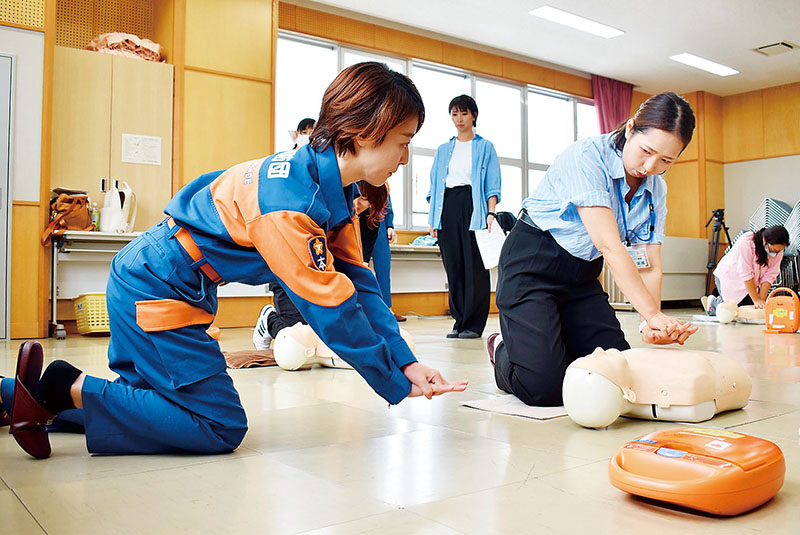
459,171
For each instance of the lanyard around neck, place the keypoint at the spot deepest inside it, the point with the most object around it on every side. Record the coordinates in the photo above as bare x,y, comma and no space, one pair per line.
628,233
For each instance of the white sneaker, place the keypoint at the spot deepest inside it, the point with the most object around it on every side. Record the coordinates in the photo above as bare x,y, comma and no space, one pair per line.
261,337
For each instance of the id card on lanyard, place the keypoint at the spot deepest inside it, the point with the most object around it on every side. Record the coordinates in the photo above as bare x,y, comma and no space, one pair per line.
638,251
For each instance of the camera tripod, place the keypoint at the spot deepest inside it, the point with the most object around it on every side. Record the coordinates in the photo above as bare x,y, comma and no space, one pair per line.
718,216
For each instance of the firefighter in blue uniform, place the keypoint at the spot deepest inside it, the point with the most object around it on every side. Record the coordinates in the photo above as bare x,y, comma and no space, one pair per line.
286,218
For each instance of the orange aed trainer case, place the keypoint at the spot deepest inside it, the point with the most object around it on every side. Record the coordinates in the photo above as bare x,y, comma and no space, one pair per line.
712,470
782,312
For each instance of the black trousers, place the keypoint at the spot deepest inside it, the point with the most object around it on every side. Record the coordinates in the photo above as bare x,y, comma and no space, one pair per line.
467,279
553,310
369,235
287,314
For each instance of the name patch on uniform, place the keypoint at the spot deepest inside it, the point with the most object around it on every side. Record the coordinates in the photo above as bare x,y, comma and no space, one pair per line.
319,252
281,164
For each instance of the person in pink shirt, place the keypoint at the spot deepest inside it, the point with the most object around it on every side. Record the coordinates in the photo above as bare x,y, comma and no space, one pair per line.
747,272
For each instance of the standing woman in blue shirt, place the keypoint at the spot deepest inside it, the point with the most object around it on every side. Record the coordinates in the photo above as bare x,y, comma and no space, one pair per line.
603,199
465,187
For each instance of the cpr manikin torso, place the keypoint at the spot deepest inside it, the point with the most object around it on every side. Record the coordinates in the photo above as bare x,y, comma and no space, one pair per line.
654,384
728,312
298,347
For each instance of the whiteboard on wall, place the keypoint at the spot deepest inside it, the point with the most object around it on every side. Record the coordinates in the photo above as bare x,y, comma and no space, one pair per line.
749,183
27,47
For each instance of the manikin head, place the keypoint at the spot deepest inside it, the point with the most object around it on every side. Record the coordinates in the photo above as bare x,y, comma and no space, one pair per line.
726,312
591,393
298,347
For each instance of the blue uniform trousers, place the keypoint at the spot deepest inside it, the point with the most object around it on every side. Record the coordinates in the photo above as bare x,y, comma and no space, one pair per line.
382,262
173,393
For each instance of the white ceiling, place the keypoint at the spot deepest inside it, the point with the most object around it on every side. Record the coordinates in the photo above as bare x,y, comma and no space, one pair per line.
724,31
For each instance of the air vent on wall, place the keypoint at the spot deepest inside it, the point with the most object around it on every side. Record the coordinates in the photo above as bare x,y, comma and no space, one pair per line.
775,48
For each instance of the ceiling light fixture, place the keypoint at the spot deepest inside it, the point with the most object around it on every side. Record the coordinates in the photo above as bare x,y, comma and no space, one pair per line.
704,64
574,21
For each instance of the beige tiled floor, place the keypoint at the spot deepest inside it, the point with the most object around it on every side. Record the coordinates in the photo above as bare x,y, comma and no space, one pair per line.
325,455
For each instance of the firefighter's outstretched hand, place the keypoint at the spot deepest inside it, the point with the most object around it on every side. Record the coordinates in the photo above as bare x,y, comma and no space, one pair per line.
428,382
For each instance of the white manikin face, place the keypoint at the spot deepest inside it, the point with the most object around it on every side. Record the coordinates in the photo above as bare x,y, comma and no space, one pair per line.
590,399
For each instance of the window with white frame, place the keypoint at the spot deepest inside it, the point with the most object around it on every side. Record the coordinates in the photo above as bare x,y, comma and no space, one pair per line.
528,126
304,68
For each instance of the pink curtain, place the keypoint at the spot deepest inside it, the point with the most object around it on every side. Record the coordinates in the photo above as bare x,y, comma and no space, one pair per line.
612,99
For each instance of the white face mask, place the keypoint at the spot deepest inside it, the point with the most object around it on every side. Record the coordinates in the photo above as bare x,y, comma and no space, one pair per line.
302,139
771,254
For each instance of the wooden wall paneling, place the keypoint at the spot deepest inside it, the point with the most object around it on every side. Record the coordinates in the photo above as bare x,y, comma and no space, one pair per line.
141,104
335,27
691,150
471,59
163,27
28,14
712,120
715,192
407,44
81,120
637,99
425,304
237,128
234,36
26,321
129,16
428,303
178,56
74,22
574,85
523,72
743,127
682,200
781,120
45,176
699,141
287,16
273,69
240,311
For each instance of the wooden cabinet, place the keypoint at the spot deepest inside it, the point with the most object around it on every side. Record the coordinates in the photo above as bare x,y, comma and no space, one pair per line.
96,99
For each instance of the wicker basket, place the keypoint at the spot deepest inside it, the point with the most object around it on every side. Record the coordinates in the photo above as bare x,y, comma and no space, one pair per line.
91,314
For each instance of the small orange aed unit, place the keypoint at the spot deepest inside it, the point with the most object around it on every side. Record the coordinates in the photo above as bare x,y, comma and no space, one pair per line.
782,312
712,470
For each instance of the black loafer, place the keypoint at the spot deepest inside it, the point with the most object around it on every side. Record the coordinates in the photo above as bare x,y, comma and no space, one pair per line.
452,334
468,334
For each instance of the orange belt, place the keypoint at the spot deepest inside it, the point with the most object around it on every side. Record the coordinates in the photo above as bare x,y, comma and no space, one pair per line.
187,242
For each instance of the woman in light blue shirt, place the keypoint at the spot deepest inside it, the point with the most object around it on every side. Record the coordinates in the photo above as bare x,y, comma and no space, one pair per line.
603,199
465,187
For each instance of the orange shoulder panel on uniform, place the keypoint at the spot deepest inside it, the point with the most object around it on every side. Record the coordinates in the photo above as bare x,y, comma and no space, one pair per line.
167,314
235,194
345,243
296,251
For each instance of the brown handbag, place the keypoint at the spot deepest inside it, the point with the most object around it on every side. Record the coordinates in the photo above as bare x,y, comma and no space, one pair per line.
68,212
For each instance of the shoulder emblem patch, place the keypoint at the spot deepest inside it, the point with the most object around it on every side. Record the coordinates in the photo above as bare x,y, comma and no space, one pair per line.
319,252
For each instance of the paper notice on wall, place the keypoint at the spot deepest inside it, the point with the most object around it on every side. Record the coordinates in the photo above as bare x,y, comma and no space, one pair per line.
141,149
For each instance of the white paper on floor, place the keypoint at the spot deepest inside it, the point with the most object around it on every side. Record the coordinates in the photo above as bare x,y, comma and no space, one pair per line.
514,407
702,318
